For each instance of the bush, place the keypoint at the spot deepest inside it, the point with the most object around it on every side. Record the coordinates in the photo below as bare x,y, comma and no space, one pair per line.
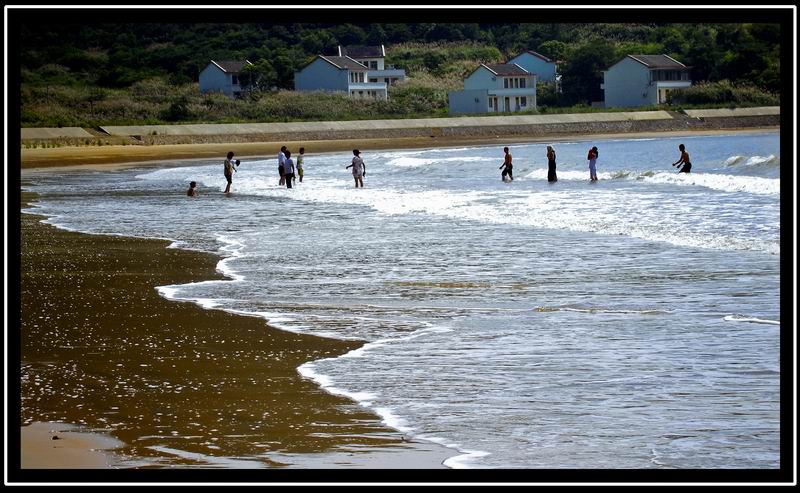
178,110
723,92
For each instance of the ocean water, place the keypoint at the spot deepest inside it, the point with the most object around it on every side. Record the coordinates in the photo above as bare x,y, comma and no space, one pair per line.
633,322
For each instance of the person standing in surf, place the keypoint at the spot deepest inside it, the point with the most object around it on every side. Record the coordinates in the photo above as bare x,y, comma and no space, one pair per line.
685,165
592,157
300,163
551,165
288,169
281,159
359,168
229,169
508,166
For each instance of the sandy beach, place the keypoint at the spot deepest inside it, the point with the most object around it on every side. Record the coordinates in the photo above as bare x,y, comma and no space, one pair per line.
116,371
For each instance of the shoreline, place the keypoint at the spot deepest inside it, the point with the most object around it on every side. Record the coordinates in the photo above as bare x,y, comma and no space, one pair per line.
354,436
120,156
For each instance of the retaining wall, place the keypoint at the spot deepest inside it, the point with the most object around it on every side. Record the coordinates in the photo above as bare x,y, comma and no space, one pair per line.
490,126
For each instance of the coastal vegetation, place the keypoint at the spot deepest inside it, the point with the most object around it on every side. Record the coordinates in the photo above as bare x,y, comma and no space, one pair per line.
118,74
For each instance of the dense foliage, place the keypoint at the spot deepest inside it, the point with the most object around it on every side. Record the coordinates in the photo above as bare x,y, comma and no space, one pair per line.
148,72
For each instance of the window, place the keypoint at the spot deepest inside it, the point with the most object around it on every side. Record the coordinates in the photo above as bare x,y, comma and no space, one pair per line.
522,83
505,83
373,65
491,101
372,79
235,80
523,101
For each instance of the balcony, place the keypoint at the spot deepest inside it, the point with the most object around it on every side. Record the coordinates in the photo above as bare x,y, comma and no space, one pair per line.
367,86
394,73
672,84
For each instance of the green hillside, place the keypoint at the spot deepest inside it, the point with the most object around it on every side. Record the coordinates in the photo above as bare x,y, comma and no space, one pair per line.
89,75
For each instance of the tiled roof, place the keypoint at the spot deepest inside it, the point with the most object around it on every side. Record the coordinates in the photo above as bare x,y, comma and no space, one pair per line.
362,51
657,61
231,66
506,69
344,62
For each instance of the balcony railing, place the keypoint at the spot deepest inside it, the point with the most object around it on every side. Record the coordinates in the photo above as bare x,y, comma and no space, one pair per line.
367,86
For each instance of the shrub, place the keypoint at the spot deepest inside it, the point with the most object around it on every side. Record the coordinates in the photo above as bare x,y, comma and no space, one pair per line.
723,92
178,110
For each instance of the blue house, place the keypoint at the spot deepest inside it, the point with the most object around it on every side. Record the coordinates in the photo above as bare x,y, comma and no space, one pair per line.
373,57
643,80
495,88
546,70
223,76
338,73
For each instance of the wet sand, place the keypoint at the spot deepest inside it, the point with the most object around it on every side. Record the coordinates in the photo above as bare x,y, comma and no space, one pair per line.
64,446
177,385
110,157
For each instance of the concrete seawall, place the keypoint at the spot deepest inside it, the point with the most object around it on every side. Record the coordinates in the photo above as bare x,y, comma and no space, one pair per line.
487,126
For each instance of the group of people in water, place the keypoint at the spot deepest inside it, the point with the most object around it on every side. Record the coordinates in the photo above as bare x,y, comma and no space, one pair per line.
684,165
288,171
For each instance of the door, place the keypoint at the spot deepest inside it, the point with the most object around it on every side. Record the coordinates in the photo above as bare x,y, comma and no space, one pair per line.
506,104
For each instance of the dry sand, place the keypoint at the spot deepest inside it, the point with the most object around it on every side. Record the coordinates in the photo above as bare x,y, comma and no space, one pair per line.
177,385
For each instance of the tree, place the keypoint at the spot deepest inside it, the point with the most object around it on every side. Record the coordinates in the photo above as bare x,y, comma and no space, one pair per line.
349,34
554,50
260,76
284,65
397,33
376,35
582,74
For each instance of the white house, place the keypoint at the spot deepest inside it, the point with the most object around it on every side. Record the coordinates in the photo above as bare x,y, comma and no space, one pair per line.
373,57
495,88
642,80
222,76
546,70
338,73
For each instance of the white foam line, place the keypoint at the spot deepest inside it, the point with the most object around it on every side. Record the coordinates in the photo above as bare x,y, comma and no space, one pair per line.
387,415
601,310
739,318
211,460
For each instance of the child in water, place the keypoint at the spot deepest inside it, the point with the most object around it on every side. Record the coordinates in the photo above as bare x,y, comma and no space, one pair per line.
192,192
685,165
228,169
359,168
300,164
